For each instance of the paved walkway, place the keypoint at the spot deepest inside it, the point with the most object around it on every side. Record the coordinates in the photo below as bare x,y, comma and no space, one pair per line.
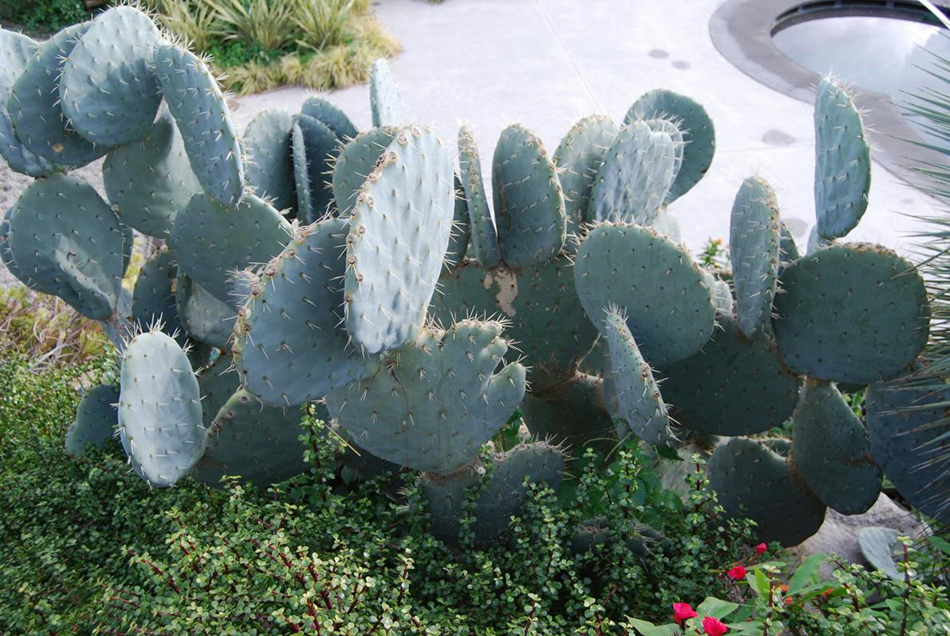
547,63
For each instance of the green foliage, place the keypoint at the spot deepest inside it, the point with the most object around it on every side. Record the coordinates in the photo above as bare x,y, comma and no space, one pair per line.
715,254
44,15
772,598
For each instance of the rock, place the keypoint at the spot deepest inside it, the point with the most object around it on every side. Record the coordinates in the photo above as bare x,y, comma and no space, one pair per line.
839,533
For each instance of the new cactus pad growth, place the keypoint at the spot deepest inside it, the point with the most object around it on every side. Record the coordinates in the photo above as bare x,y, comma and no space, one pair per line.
423,327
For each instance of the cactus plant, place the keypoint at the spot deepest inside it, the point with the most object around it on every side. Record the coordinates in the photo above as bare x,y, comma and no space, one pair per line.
344,298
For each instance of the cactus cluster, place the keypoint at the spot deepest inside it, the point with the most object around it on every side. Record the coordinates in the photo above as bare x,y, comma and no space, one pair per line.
306,261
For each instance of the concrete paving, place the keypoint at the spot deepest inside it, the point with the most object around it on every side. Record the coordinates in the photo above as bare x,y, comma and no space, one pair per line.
547,63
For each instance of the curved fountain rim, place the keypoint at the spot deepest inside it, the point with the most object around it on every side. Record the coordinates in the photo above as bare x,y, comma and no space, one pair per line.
742,31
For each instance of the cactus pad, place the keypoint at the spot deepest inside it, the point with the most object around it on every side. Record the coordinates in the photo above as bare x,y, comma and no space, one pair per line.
545,317
356,162
635,177
669,307
754,482
578,159
754,243
289,342
6,252
331,116
831,452
211,242
153,299
461,229
15,52
314,147
96,419
842,162
202,114
909,442
572,414
699,134
149,181
217,382
881,548
853,313
160,423
109,90
434,403
734,386
634,397
499,499
529,204
258,443
69,243
484,237
34,105
268,160
384,97
399,233
203,316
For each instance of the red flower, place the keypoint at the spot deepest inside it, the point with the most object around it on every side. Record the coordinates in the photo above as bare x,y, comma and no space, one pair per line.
761,548
714,626
682,611
737,573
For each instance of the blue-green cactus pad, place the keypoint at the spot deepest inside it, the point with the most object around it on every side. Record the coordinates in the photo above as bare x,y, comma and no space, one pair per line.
484,237
109,90
635,177
432,404
384,97
831,452
15,52
853,313
202,114
217,382
755,238
671,128
461,229
399,234
314,149
355,163
6,252
908,431
258,443
572,414
578,158
34,105
212,242
699,134
334,118
153,299
96,419
788,246
669,307
881,548
753,482
545,317
529,204
721,292
666,224
160,423
499,499
268,160
634,397
734,386
203,316
69,243
148,182
289,340
842,162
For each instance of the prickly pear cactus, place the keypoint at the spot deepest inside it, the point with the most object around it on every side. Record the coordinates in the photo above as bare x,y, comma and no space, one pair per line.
578,158
398,236
109,89
498,498
432,404
96,419
268,158
831,452
160,423
15,53
484,236
754,245
76,253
